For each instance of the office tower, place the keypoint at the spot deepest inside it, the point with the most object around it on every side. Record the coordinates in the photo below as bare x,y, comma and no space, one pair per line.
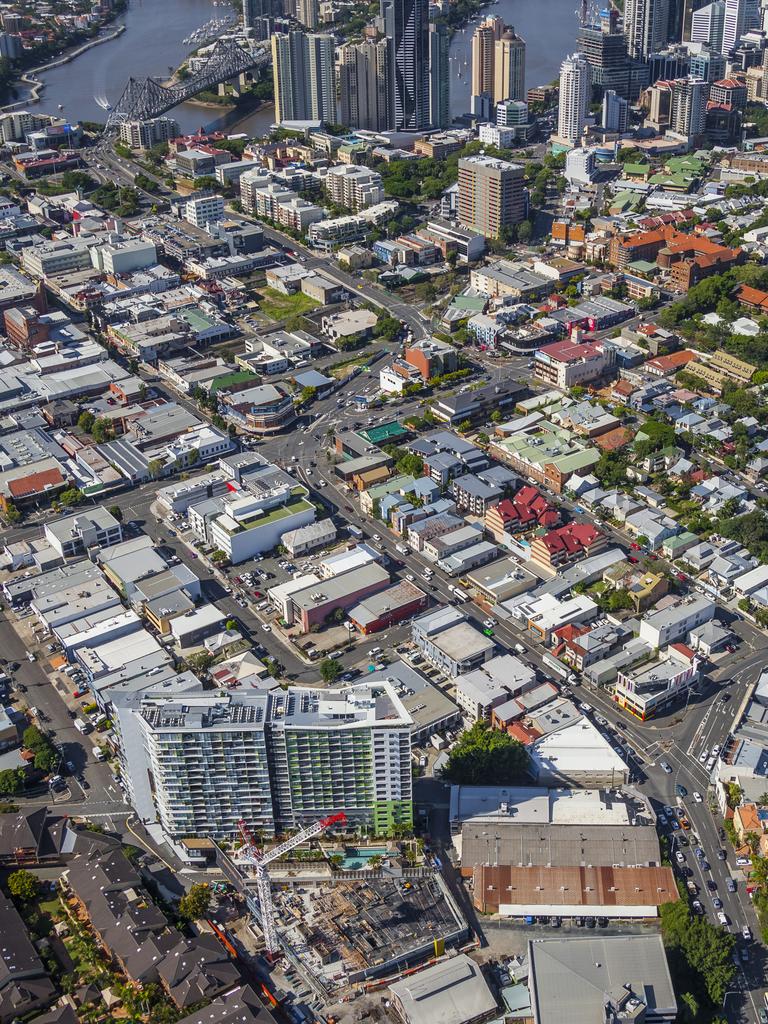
672,62
688,111
511,114
308,13
303,74
281,760
689,9
484,42
363,90
675,17
646,24
406,25
575,91
439,76
491,194
253,10
509,67
606,53
708,66
707,25
615,116
734,24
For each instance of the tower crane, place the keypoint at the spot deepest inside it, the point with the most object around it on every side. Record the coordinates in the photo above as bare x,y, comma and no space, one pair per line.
249,853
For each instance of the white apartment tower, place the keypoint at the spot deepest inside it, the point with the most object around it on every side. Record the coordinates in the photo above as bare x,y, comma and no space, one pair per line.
646,26
575,90
280,760
304,78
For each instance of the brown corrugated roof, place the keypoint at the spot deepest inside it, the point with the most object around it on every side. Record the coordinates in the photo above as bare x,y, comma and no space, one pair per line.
583,886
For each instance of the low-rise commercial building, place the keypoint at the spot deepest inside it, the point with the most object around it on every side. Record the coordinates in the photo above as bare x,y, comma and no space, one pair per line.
449,642
648,689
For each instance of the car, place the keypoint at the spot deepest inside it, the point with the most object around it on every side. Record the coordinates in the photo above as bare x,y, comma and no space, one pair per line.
698,797
680,791
632,559
634,546
712,885
744,954
662,820
602,922
679,857
717,903
715,750
490,623
266,627
665,767
586,708
743,862
722,919
725,697
83,782
579,922
669,811
590,922
681,840
705,865
681,576
730,884
746,933
376,537
763,1016
722,854
699,853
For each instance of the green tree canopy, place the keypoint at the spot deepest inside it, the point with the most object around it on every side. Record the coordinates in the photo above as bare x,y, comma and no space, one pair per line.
194,904
483,756
11,781
23,885
330,670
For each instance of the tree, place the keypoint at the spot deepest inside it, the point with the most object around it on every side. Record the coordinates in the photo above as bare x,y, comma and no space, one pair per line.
497,416
23,885
464,427
85,421
330,670
200,662
116,512
194,904
155,468
11,781
11,513
483,756
102,431
231,624
71,497
524,231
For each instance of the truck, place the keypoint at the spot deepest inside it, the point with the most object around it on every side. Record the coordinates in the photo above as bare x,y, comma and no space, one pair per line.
99,754
402,549
81,726
459,593
355,531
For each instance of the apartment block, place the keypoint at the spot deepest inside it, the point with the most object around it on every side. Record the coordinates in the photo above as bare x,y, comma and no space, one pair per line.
354,187
280,760
491,194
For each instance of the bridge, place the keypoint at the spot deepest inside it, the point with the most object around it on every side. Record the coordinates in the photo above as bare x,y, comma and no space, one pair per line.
145,98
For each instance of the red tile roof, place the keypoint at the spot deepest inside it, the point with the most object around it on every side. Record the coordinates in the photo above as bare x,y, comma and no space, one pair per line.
35,483
572,538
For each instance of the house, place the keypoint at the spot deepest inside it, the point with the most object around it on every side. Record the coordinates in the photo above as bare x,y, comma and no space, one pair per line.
24,982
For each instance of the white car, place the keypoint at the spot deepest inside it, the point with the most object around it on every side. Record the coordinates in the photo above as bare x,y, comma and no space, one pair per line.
489,623
409,577
698,797
722,919
376,537
266,627
703,757
665,767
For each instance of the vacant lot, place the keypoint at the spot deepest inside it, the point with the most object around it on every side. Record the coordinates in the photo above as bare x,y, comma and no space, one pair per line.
277,306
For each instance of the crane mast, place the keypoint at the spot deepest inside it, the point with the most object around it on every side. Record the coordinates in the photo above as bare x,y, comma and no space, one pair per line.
249,853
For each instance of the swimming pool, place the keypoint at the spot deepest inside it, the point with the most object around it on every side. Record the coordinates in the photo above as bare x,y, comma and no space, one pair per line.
356,857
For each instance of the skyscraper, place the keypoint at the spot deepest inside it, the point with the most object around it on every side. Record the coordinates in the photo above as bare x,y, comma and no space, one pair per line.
689,107
308,13
483,55
406,24
509,67
689,9
363,91
740,16
646,26
606,53
575,89
707,25
303,75
439,77
491,194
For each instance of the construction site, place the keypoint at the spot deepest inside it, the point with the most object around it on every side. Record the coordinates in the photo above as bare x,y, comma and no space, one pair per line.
343,929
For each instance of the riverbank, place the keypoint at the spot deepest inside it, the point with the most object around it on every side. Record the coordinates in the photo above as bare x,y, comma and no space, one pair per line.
29,78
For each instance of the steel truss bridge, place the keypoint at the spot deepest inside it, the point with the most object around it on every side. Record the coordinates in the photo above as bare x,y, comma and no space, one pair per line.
145,98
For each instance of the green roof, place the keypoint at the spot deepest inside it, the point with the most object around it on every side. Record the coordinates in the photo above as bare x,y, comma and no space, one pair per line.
237,377
687,539
197,320
474,302
395,483
384,432
636,168
642,266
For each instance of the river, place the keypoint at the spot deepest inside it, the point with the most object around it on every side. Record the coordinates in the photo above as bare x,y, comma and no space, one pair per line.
152,44
549,29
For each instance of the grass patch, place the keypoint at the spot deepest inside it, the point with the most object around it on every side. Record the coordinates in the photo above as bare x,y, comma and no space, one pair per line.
277,306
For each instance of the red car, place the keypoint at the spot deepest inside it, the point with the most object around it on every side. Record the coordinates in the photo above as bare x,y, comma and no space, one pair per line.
257,593
681,576
635,547
632,559
79,693
653,558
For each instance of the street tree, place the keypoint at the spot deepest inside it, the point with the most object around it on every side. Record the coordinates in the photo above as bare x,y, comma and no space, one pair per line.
23,885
